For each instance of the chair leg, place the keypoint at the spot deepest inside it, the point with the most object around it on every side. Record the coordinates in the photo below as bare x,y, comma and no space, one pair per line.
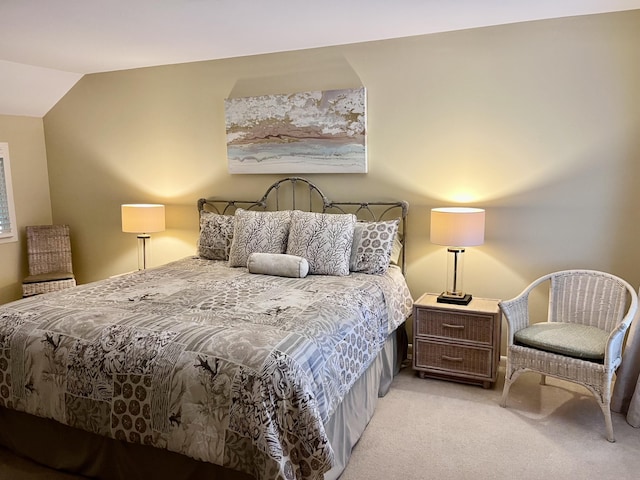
609,424
508,380
604,400
603,397
505,392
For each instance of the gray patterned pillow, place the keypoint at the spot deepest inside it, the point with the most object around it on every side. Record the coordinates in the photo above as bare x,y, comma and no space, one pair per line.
216,234
257,231
324,239
372,246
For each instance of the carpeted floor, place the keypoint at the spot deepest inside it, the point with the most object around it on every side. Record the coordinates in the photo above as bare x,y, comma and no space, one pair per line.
430,429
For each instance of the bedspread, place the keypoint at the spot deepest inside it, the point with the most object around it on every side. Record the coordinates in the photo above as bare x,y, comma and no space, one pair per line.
198,358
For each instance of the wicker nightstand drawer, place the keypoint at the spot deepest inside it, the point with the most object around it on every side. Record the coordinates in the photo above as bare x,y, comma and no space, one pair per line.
457,342
455,325
453,358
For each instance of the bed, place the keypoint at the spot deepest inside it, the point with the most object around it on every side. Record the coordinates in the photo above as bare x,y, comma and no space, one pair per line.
260,357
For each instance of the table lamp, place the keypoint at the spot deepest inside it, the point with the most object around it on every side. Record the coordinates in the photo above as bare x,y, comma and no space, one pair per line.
143,219
456,228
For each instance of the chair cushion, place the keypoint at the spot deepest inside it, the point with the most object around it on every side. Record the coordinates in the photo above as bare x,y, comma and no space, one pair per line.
574,340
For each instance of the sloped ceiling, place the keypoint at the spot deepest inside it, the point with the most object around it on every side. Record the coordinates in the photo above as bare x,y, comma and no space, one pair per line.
47,46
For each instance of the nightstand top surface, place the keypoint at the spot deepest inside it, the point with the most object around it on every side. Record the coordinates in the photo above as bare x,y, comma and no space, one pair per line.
489,305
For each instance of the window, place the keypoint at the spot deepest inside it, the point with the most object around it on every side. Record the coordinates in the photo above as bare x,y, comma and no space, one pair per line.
8,227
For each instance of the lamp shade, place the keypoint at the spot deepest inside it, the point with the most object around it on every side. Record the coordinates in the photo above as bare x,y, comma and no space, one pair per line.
457,226
142,218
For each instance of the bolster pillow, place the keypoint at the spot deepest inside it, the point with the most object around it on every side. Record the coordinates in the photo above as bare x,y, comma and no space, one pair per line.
279,264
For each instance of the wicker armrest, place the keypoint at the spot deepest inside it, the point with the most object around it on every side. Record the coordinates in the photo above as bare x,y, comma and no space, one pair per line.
516,312
617,337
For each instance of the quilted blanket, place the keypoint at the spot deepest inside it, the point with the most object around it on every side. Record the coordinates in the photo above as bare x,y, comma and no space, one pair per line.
212,362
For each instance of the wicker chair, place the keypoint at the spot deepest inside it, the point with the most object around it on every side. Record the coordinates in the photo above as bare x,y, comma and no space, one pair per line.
49,254
581,342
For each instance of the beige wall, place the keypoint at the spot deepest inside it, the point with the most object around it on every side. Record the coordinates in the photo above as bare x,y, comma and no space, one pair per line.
25,136
537,122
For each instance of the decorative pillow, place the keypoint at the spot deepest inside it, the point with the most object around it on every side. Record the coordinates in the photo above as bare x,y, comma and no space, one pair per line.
279,264
324,239
372,246
216,234
396,251
258,231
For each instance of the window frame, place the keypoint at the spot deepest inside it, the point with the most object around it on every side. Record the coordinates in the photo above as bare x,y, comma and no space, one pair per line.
6,191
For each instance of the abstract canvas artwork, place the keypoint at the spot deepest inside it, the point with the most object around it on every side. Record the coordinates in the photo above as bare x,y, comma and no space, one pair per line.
308,132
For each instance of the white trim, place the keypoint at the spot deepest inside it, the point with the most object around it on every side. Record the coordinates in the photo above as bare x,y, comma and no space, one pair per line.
6,189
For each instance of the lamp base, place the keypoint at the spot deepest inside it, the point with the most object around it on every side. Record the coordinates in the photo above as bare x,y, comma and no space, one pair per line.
142,251
454,299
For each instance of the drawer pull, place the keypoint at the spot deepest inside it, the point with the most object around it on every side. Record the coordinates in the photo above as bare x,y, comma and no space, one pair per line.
451,359
455,327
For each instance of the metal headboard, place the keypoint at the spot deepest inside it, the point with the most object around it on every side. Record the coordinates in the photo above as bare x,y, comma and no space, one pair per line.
296,193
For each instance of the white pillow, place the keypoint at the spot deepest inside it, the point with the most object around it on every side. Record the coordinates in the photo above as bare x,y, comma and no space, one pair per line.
279,264
324,239
372,246
258,231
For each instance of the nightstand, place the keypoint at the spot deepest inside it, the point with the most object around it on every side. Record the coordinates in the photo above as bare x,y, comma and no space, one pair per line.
457,342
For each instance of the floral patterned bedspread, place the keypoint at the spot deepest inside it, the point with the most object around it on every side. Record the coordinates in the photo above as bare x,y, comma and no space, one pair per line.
212,362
